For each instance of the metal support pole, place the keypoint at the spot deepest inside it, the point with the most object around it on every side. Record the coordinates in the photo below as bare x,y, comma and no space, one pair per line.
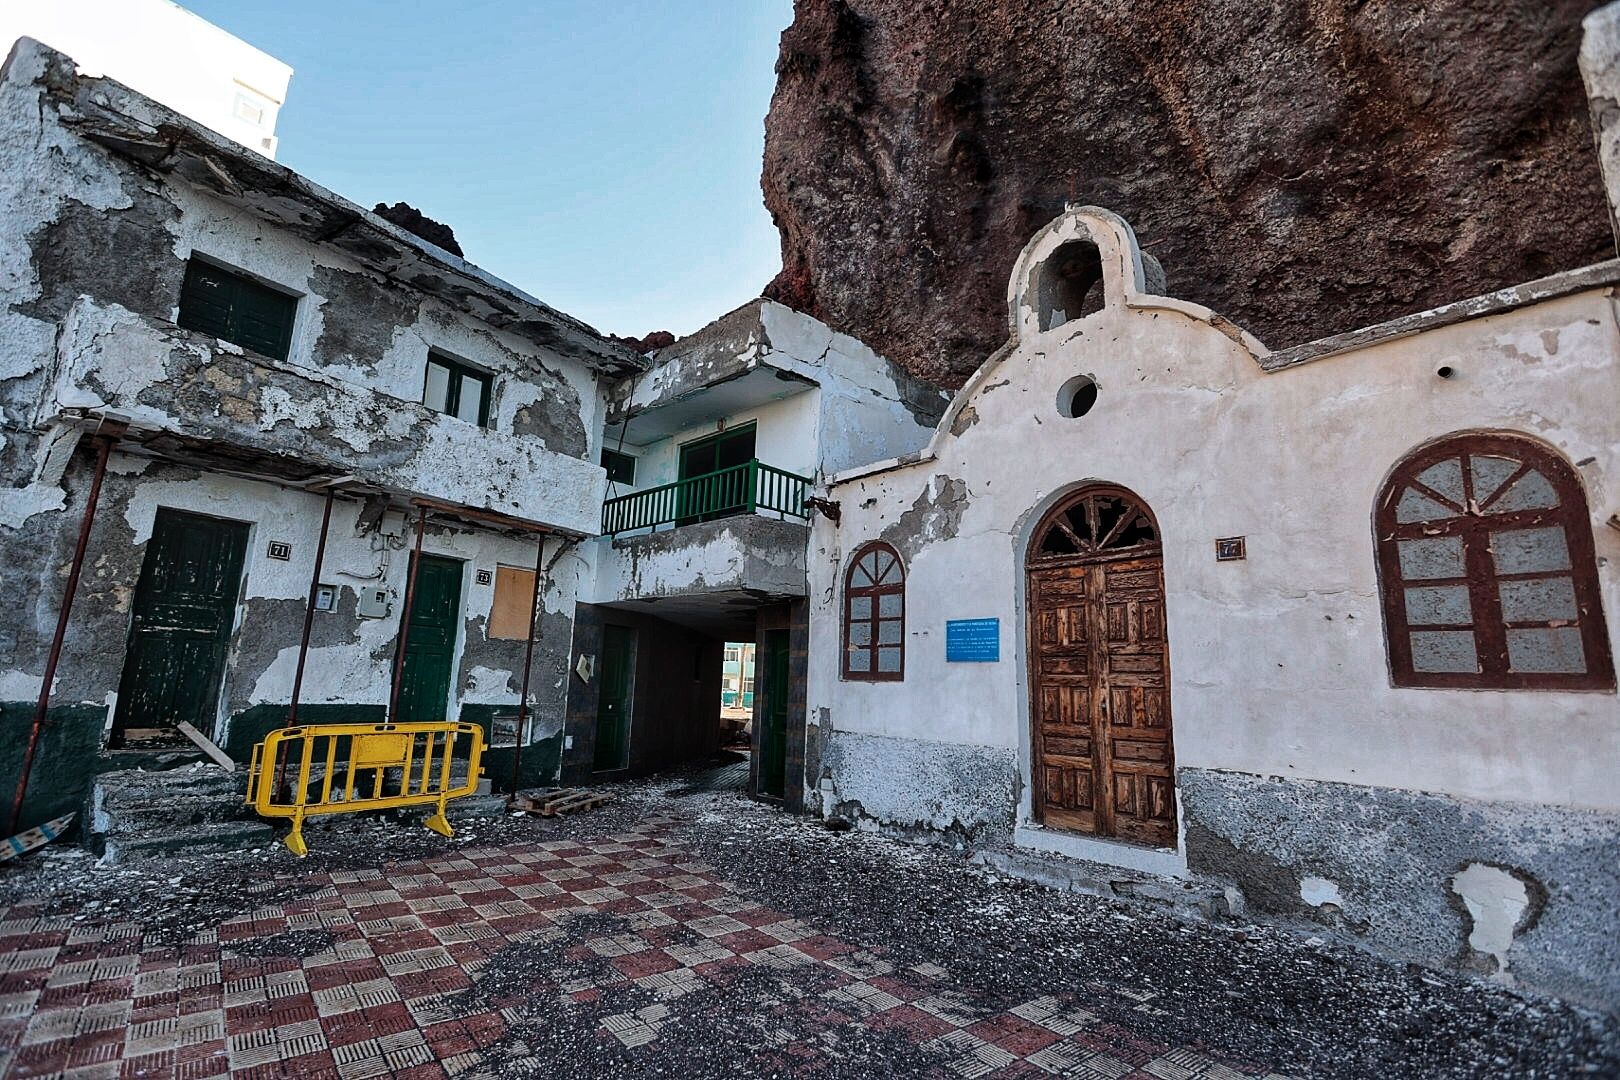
43,706
528,660
303,642
309,609
405,617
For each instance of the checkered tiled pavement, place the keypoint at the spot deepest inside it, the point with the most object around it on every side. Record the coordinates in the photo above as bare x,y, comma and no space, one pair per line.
410,975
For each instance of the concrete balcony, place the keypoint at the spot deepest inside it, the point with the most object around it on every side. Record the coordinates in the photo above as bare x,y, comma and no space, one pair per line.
708,574
195,398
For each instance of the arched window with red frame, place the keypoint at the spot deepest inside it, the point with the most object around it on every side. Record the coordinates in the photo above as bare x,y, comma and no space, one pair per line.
1487,569
875,615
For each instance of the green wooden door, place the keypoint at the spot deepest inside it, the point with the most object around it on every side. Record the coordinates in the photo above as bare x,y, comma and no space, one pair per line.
424,685
613,705
185,603
772,719
712,491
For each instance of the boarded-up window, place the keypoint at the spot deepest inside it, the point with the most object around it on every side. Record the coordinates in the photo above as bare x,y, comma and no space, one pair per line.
875,615
514,593
1489,575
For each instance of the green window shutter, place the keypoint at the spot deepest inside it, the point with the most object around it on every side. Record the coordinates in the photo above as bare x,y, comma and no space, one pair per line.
238,309
621,468
205,300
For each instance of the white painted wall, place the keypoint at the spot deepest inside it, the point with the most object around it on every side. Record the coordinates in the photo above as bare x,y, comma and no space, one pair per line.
357,672
785,436
167,53
1277,663
460,460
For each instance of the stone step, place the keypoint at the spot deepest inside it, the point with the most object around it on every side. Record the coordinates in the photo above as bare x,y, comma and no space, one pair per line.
474,807
134,803
205,839
1185,897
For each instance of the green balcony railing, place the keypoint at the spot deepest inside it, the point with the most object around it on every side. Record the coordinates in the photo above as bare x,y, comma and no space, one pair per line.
750,488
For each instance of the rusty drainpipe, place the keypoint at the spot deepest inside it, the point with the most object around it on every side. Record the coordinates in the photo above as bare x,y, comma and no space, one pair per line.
528,660
103,449
303,642
405,617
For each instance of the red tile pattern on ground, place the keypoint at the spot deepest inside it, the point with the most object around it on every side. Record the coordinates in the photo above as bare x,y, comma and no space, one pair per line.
366,975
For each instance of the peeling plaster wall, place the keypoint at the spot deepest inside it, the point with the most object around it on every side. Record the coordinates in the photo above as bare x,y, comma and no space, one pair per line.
1510,891
367,336
1277,662
914,785
350,658
92,253
747,552
851,407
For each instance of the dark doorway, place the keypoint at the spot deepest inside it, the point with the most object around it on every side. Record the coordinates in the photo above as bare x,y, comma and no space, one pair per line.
185,604
1099,671
424,688
613,706
772,717
715,481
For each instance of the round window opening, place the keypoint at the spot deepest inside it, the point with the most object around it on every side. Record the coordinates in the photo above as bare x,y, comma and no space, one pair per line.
1077,396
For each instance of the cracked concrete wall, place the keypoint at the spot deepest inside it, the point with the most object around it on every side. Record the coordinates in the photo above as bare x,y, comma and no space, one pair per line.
100,243
1277,662
911,786
1511,891
743,553
92,254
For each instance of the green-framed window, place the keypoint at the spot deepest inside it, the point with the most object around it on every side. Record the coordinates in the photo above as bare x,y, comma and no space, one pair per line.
621,468
458,389
235,308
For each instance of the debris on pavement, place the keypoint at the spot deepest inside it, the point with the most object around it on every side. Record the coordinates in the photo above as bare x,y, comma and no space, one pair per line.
701,935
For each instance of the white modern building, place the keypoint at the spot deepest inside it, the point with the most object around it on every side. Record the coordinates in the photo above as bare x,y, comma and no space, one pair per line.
164,51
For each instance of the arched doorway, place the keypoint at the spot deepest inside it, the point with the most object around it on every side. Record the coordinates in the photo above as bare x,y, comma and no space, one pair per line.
1100,671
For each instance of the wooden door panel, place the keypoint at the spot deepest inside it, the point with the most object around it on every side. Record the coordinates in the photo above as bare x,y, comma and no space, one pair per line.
1066,705
180,624
1130,752
1101,700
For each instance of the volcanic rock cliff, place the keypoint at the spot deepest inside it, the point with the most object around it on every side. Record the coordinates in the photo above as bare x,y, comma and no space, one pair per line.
1304,167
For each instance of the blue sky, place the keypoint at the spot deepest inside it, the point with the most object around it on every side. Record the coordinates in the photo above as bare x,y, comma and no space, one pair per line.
603,156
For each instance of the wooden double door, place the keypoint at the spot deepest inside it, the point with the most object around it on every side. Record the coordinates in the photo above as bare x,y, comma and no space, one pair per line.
1099,671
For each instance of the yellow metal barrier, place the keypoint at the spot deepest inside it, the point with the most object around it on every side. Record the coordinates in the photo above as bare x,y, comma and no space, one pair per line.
405,764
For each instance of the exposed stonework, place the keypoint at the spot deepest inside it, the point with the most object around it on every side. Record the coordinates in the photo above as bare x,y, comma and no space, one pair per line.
1303,168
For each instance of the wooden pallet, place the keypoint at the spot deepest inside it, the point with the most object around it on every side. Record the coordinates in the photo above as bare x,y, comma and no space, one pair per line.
553,801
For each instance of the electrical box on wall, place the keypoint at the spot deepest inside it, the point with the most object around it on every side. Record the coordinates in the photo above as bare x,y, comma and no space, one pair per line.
392,523
374,603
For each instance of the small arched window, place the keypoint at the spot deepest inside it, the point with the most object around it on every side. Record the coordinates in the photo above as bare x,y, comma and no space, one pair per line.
875,615
1488,572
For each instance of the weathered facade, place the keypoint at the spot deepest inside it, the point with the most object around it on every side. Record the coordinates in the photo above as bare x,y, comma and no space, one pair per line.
1199,668
714,451
246,343
1327,631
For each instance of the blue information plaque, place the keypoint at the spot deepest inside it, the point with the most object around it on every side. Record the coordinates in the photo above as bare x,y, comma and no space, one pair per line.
973,640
